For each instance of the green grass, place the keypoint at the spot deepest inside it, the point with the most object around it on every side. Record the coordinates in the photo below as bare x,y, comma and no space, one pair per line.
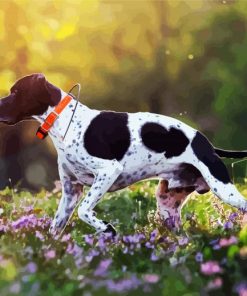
208,256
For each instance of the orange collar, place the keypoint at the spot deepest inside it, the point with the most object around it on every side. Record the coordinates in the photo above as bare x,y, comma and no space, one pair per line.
43,130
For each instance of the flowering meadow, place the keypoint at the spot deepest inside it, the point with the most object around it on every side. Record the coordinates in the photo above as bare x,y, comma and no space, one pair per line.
207,257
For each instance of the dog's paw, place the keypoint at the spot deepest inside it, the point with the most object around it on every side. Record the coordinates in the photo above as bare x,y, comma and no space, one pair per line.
110,229
53,231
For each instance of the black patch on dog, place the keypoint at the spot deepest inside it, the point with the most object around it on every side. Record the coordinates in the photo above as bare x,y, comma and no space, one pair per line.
189,189
205,153
202,191
179,189
159,139
108,135
188,173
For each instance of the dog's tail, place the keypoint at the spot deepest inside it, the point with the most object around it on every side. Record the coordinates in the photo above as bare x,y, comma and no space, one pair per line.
231,153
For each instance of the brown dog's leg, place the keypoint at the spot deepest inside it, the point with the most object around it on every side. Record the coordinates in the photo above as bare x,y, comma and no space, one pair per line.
169,203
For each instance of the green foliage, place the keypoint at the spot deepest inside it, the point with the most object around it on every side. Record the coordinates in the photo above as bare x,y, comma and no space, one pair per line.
185,59
142,259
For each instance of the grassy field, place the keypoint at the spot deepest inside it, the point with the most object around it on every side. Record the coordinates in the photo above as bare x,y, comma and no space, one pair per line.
208,257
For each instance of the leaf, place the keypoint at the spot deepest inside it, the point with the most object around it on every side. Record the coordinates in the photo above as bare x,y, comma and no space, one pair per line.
232,251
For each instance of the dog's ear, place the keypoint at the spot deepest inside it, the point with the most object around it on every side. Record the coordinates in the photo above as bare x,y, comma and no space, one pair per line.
54,93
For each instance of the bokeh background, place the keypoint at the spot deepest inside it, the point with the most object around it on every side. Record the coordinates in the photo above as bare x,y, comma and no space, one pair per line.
186,59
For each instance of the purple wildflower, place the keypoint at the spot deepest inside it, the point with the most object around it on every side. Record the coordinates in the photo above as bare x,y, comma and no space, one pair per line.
153,235
39,235
31,267
151,278
172,248
74,249
102,243
216,247
154,257
125,250
77,252
15,288
215,284
30,221
89,239
210,267
134,239
183,241
199,257
123,285
233,216
224,242
241,288
102,268
66,237
214,242
50,254
149,245
228,225
93,253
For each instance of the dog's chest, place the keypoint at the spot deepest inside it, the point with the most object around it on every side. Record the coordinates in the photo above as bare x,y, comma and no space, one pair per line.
77,165
74,167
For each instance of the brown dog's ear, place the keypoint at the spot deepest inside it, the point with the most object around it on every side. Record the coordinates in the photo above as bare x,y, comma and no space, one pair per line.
54,93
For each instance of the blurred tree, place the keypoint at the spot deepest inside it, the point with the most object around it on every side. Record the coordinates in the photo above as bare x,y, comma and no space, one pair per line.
214,82
170,57
141,83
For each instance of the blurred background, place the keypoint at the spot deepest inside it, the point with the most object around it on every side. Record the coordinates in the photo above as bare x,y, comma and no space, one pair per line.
186,59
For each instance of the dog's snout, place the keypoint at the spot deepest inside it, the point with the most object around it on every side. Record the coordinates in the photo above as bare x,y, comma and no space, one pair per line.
7,110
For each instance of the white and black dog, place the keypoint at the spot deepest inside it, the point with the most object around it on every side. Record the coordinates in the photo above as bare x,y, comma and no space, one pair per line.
110,150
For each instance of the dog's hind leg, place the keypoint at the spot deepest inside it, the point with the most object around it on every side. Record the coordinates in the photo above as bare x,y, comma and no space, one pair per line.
215,172
169,204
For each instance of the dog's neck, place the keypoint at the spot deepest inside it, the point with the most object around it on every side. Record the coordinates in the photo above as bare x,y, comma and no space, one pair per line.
59,128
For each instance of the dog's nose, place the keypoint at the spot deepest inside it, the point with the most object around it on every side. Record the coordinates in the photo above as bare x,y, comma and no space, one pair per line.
7,110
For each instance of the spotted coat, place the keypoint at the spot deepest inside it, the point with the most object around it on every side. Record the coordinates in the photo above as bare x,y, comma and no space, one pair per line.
109,151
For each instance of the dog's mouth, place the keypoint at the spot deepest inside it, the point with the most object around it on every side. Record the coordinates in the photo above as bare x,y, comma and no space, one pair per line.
8,121
12,121
7,110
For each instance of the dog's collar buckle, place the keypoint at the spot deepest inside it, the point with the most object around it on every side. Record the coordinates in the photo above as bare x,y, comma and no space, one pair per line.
43,130
41,134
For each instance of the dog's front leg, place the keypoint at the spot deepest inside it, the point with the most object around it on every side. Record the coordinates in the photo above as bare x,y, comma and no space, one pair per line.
71,194
104,178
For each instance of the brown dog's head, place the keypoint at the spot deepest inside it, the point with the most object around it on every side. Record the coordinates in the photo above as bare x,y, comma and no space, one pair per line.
31,95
